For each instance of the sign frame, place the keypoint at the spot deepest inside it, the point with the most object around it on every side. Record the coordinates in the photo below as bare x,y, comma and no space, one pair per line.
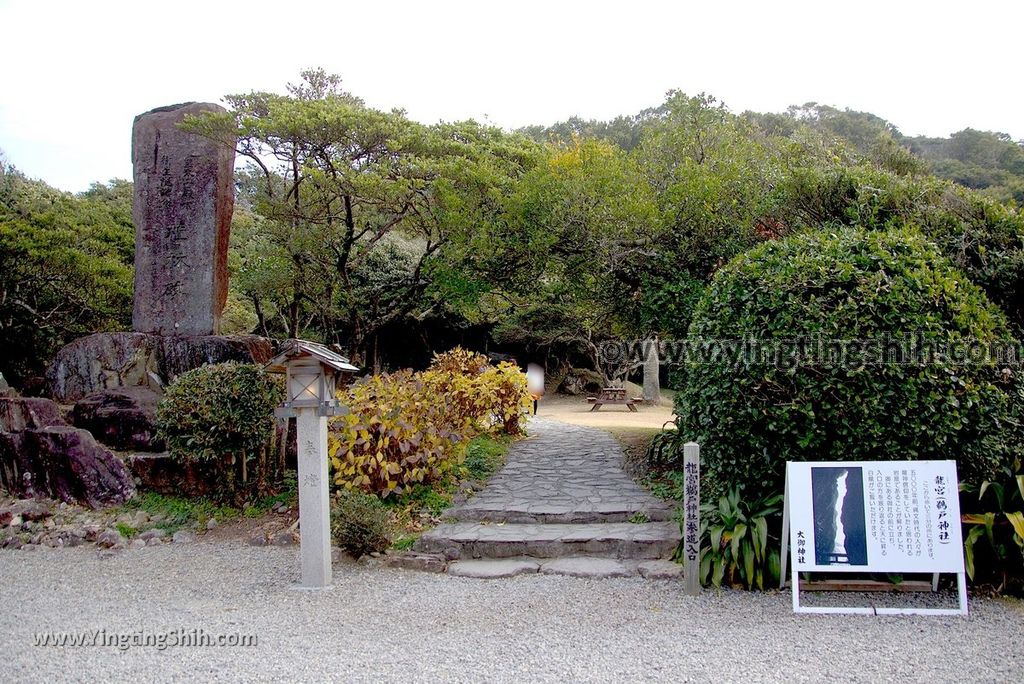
789,554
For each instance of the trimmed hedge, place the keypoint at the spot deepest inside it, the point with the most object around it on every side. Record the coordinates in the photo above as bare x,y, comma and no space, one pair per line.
752,415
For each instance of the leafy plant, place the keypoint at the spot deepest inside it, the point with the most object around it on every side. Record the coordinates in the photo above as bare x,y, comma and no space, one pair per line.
222,413
735,543
667,486
999,519
360,523
404,543
665,451
397,434
409,428
127,531
174,512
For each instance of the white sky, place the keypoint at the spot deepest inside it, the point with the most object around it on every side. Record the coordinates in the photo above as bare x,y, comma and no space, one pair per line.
74,74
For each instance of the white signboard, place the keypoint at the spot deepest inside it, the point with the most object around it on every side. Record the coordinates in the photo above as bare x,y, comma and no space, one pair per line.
874,516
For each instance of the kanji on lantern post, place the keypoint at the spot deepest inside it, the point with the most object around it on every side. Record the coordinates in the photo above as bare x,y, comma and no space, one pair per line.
312,371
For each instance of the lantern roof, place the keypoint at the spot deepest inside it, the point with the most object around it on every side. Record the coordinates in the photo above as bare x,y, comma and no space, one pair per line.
293,350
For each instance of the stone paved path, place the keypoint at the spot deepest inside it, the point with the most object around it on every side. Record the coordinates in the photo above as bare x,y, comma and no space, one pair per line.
562,504
562,474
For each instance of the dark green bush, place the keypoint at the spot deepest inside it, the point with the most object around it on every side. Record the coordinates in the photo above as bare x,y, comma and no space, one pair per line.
224,414
360,523
981,237
751,414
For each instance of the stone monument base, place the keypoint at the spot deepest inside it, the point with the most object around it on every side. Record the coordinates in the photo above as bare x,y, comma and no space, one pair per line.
124,359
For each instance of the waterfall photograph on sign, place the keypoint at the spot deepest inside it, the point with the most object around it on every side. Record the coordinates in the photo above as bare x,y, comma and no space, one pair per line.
840,536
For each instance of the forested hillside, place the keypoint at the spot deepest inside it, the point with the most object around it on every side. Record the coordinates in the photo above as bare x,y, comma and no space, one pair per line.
394,238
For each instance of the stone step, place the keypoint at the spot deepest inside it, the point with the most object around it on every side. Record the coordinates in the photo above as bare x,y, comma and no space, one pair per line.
567,511
466,540
572,566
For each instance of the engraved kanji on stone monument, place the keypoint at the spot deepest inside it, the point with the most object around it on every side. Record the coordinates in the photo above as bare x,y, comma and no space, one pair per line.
184,196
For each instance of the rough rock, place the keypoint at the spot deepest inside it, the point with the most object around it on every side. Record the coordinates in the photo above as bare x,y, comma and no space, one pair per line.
64,463
155,533
111,360
5,389
339,555
110,538
122,418
37,510
184,196
18,414
182,537
182,354
211,523
660,569
137,543
102,361
284,538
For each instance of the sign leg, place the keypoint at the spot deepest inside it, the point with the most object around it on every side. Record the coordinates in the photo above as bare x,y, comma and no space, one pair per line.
961,581
784,555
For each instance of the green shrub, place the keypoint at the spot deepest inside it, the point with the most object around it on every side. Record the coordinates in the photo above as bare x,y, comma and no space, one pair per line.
752,414
221,413
360,523
460,361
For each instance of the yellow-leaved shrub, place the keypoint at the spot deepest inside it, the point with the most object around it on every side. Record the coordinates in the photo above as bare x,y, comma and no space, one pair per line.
407,428
484,398
397,434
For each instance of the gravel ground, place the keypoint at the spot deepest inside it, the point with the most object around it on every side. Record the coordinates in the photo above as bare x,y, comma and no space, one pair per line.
380,624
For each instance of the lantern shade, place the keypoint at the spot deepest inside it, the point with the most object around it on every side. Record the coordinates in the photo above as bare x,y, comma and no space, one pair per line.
312,370
294,350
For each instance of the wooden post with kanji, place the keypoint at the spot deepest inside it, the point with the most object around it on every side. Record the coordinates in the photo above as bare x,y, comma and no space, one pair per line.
691,520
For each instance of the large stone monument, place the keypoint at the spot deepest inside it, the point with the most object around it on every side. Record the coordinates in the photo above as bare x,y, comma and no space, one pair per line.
184,197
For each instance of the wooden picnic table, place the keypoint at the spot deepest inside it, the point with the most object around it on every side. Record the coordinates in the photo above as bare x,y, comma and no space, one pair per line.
612,395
